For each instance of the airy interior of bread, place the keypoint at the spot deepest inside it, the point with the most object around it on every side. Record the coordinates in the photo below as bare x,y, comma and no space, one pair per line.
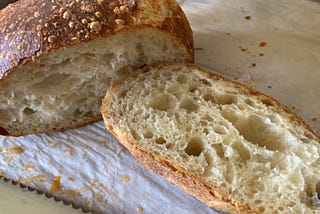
245,145
65,87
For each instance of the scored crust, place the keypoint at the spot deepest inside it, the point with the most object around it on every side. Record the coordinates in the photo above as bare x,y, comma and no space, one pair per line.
32,28
194,185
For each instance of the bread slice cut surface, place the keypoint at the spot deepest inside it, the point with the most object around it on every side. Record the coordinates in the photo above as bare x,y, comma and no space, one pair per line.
230,146
57,62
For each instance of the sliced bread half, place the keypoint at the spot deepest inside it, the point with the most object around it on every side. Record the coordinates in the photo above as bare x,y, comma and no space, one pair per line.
57,58
233,148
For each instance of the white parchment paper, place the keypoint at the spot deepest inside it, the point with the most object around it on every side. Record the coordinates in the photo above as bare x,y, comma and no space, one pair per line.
273,46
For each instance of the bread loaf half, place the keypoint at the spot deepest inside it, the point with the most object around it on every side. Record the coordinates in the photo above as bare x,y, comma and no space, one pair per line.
233,148
57,58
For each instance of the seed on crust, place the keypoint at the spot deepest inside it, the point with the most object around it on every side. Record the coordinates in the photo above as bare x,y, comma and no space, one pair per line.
71,24
75,39
100,2
98,14
117,10
84,21
89,8
52,39
36,14
95,26
119,21
39,27
66,15
124,9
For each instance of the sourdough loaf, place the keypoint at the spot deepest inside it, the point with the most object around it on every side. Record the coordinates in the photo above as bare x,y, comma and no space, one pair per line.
57,58
233,148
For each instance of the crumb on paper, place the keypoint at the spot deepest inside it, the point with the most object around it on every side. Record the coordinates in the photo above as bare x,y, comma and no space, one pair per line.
247,17
68,151
314,119
139,209
55,184
229,34
253,65
263,44
125,178
30,179
9,159
99,197
243,49
70,179
261,54
198,49
269,86
13,150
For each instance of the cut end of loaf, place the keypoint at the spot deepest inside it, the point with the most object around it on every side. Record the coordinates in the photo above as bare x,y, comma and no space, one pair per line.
64,89
231,138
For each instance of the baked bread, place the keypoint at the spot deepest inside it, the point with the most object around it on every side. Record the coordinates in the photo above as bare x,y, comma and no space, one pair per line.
57,58
233,148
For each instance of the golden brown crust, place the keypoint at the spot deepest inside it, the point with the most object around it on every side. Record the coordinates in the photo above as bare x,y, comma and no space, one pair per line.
192,184
32,28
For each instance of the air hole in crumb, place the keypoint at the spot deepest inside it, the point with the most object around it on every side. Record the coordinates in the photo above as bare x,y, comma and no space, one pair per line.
188,104
28,111
242,151
162,102
205,131
219,150
194,147
249,102
168,146
182,79
148,134
122,93
257,201
227,99
207,118
135,135
203,122
160,141
205,82
261,209
209,97
220,130
192,88
175,89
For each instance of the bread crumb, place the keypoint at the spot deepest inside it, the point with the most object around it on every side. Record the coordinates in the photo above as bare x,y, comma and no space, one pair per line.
9,159
139,209
269,86
198,49
243,49
55,184
52,39
314,119
253,65
263,44
261,54
125,178
247,17
99,197
13,150
70,179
